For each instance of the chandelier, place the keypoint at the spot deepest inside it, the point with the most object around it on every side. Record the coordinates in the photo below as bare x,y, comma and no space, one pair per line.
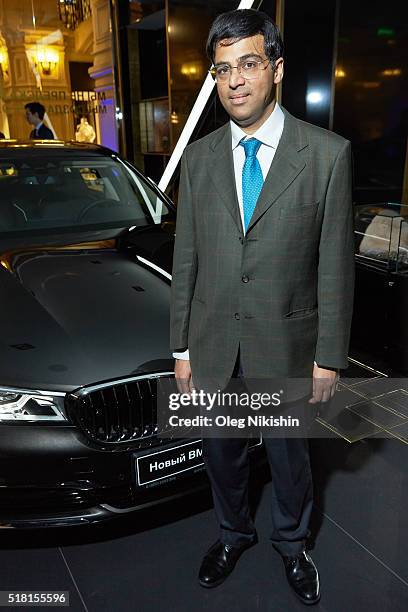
72,12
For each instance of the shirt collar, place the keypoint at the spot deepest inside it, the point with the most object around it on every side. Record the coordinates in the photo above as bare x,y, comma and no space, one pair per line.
269,133
37,127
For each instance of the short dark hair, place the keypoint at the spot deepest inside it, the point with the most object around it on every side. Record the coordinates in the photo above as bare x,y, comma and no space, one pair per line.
36,107
243,23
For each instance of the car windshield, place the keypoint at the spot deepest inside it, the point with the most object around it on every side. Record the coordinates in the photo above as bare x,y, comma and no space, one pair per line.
56,191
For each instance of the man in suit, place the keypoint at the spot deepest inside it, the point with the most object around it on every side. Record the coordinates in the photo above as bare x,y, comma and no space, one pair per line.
263,280
35,112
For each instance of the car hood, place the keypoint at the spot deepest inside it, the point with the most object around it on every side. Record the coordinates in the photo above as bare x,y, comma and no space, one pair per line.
77,314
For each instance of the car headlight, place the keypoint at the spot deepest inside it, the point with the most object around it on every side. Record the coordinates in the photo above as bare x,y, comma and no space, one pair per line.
27,405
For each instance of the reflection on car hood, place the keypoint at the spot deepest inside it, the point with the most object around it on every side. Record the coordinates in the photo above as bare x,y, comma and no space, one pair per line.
78,315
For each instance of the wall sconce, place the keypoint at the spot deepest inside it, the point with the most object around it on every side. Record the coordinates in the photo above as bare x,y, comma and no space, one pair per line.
192,70
3,63
392,72
47,59
174,117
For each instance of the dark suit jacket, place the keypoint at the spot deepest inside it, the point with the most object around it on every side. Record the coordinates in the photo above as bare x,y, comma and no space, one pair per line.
44,133
284,291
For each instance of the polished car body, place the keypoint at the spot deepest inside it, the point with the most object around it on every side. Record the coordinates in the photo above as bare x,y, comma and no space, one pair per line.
86,246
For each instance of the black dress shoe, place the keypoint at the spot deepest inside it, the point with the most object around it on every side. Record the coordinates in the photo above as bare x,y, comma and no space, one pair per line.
303,577
219,562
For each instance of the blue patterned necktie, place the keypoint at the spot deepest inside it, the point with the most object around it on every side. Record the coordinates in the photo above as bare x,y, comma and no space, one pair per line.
252,179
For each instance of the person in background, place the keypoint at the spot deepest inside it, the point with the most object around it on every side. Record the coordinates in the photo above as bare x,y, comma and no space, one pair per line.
35,112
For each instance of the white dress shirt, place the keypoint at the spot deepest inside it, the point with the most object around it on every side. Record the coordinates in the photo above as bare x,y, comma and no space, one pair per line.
269,135
37,127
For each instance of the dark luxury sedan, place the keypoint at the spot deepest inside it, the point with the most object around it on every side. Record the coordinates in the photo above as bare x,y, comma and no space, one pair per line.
85,258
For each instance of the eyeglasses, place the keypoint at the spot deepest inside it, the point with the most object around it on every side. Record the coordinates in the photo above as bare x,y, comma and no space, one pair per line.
249,69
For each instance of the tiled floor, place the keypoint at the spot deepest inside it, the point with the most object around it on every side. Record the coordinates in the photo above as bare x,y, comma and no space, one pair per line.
149,562
367,404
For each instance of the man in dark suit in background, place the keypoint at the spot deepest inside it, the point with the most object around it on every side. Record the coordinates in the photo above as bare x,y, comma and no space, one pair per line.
263,279
35,112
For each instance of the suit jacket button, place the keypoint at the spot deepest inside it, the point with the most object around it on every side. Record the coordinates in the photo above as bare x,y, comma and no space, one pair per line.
236,316
245,279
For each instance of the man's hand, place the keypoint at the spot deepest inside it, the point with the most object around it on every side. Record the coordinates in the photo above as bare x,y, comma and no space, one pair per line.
324,384
182,371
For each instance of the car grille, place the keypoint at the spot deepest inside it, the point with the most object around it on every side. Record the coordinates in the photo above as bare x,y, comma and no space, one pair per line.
117,412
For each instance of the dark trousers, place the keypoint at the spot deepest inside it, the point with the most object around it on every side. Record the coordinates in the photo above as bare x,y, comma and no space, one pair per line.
227,465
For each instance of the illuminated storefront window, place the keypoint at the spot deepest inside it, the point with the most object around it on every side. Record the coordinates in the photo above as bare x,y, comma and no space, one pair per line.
58,54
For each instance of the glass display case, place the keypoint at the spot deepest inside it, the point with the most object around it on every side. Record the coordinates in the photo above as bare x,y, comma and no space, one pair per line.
382,235
381,295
